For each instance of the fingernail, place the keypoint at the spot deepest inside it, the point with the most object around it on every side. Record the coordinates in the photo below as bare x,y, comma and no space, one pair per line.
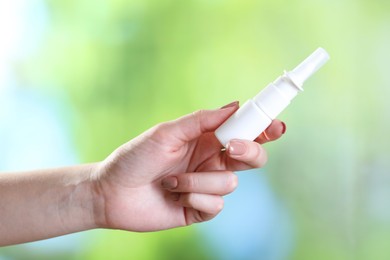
236,147
284,127
175,196
169,182
233,104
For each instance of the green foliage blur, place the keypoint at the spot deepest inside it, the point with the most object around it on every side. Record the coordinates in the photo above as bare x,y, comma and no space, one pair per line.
127,65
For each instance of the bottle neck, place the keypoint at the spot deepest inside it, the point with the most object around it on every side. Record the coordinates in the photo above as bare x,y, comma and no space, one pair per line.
276,96
286,86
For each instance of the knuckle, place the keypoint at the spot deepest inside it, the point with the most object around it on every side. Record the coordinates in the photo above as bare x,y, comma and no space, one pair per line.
158,131
159,127
161,134
198,116
190,199
190,182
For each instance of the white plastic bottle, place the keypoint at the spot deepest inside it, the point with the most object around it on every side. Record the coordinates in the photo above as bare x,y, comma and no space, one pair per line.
257,113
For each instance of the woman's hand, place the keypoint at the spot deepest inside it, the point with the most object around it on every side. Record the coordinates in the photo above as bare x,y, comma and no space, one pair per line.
174,174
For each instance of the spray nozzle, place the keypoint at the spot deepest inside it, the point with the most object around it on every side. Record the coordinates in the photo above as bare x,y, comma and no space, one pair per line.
307,67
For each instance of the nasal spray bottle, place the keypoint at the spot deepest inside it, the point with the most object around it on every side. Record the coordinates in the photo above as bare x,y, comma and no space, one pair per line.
257,113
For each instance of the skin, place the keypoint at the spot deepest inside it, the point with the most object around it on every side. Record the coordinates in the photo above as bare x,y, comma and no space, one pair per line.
174,174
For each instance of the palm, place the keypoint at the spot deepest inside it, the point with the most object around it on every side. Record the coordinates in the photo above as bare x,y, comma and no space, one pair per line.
154,210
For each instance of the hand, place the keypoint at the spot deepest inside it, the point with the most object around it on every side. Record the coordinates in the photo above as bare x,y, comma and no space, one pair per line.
175,173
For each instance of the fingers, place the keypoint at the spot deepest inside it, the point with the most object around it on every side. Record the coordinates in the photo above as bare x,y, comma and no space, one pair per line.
193,125
205,206
249,154
274,131
198,207
218,183
200,194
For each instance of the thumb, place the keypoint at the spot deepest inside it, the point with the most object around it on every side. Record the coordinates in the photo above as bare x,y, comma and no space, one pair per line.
193,125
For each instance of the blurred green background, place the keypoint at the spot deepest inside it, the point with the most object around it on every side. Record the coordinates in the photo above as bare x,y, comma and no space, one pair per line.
112,69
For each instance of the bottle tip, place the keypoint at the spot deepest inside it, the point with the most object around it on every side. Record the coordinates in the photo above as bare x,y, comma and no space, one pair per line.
319,56
309,66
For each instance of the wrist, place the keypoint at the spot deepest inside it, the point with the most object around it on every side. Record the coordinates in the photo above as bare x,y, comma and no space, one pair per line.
81,207
97,195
